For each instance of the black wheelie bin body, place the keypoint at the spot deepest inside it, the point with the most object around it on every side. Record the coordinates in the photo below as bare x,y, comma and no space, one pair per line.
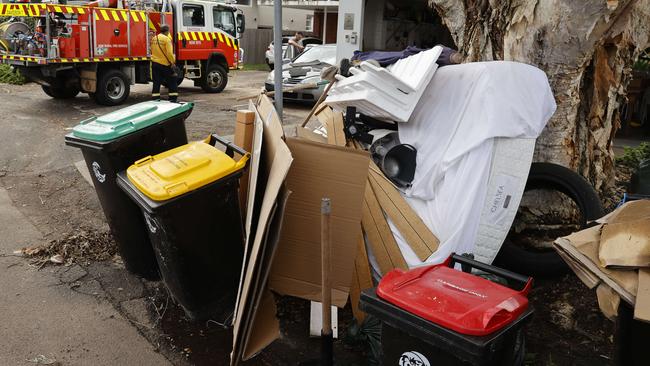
111,143
190,201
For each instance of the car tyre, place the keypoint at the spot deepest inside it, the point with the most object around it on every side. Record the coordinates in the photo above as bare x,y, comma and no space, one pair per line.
573,185
113,87
57,92
215,79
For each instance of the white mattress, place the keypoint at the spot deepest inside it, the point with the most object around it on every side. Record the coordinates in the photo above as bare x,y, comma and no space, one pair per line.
509,170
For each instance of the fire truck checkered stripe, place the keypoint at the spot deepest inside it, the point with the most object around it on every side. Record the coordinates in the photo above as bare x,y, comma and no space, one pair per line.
208,36
120,15
73,60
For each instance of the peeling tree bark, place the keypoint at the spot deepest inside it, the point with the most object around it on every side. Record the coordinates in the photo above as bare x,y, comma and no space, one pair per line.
586,47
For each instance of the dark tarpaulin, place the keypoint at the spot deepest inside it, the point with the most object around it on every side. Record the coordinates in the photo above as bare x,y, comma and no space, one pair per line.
385,58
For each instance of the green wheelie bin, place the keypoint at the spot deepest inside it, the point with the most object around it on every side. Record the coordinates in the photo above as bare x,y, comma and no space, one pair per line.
111,143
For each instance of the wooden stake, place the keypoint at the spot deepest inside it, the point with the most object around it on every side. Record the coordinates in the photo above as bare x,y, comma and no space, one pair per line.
326,285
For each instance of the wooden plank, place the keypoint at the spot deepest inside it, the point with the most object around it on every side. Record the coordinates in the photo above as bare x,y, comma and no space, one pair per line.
361,280
414,240
409,220
333,123
375,240
386,239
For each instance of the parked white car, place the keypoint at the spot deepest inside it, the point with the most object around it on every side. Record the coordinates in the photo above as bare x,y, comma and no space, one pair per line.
288,53
305,69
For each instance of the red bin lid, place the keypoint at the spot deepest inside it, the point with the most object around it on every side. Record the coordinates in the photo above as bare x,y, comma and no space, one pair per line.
456,300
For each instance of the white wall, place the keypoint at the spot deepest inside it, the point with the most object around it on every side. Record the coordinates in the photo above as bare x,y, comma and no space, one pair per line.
251,15
292,19
349,40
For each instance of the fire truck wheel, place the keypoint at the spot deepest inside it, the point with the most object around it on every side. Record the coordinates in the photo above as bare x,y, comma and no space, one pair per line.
60,92
215,79
113,88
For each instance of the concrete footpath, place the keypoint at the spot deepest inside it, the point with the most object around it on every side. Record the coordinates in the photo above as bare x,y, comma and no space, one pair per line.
42,317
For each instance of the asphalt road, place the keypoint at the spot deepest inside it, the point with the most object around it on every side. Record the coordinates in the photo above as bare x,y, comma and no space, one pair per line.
96,313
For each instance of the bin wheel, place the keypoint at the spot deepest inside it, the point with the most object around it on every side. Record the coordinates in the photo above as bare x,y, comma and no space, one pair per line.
60,92
535,262
215,79
113,87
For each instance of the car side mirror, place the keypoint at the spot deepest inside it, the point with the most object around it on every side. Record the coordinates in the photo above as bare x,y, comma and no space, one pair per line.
241,23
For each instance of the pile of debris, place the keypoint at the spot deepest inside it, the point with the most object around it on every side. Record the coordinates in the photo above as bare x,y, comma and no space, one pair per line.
83,247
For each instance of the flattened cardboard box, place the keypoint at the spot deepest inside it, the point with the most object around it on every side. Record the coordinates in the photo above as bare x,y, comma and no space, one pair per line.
255,325
318,171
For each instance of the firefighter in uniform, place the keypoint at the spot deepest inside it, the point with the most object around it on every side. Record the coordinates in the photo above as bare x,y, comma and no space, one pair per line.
162,59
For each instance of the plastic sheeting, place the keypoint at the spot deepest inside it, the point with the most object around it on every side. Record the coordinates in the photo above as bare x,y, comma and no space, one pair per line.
453,127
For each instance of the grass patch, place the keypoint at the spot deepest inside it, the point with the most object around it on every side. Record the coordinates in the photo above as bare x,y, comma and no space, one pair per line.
256,67
632,156
10,76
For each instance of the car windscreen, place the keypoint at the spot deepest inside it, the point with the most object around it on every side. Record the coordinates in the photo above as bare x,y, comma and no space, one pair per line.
322,54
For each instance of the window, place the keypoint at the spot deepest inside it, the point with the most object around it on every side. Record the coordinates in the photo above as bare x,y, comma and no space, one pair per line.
224,20
193,16
309,23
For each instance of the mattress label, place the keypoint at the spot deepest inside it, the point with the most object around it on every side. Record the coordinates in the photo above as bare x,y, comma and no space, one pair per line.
500,199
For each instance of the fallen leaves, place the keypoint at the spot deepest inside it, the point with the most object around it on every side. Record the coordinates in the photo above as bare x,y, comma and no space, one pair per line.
83,246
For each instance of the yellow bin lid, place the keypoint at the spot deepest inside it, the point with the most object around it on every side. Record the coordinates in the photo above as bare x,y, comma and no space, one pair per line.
182,169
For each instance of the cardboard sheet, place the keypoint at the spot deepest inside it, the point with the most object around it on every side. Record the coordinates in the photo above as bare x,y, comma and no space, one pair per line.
585,253
625,244
642,307
253,172
255,308
264,327
608,301
319,171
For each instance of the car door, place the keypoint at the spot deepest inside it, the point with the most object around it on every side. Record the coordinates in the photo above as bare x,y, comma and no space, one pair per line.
193,38
224,26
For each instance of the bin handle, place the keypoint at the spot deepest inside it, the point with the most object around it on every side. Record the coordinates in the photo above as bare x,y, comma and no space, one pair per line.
230,149
143,161
468,263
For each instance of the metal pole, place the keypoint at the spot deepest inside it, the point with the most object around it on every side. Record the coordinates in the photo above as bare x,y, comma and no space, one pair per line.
277,59
325,25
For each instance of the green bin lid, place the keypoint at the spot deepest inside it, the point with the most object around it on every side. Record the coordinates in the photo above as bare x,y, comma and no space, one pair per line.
128,120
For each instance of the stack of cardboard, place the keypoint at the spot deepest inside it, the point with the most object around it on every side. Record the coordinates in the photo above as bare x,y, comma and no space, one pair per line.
614,257
288,178
382,203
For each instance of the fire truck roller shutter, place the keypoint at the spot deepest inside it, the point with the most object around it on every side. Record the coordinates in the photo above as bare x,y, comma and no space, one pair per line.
215,77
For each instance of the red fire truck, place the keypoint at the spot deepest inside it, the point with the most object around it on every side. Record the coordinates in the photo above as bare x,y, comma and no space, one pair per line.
103,47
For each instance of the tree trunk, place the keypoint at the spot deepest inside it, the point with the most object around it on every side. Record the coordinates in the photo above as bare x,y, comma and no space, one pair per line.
586,47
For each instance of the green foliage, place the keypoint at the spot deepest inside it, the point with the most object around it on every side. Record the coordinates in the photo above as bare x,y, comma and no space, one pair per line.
255,67
10,76
632,156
